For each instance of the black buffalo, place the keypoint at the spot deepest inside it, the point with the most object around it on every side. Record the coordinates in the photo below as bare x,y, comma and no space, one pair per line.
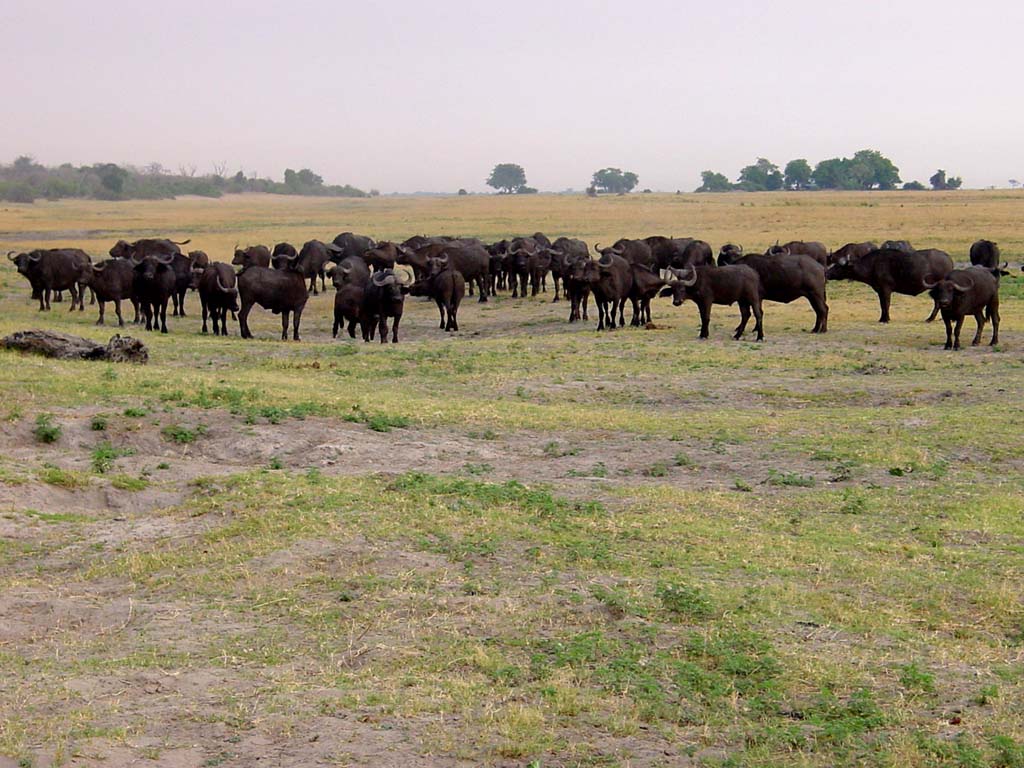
851,251
349,244
668,251
350,277
252,256
315,256
890,270
705,286
139,249
785,278
633,251
54,269
153,284
985,253
611,289
646,285
962,292
218,294
812,248
383,297
282,290
112,280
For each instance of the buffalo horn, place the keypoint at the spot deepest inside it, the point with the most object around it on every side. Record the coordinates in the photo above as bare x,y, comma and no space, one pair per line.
221,287
99,267
35,256
408,277
961,288
928,285
9,255
164,259
688,282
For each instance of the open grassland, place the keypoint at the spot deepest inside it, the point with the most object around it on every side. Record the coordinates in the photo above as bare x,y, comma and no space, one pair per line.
527,543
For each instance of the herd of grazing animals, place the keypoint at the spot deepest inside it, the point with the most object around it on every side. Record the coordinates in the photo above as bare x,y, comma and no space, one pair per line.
371,279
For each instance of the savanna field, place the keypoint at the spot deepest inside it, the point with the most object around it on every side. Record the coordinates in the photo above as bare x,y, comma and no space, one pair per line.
528,543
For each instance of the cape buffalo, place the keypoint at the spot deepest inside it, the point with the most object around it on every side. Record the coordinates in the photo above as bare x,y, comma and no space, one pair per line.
468,257
785,278
152,285
813,248
851,251
646,285
315,256
972,291
349,244
668,251
218,294
612,288
281,290
112,280
54,269
705,286
383,297
985,253
350,277
251,256
446,286
578,282
633,251
146,247
890,270
564,251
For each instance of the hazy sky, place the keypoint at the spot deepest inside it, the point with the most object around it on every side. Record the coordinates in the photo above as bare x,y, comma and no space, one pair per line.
407,96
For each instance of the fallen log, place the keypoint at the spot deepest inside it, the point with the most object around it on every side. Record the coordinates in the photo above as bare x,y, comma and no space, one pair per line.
63,346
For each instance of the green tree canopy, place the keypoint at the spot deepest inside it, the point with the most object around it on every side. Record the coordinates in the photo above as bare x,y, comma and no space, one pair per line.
798,174
762,175
714,182
867,169
614,180
507,178
939,181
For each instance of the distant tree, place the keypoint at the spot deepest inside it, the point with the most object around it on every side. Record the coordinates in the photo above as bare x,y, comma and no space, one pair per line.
112,177
591,191
1014,183
762,175
239,178
462,191
798,174
831,174
507,178
614,180
872,169
713,182
939,181
309,179
914,186
155,169
24,164
525,190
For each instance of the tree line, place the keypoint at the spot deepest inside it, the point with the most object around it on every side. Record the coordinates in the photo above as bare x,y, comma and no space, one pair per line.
867,169
510,179
25,181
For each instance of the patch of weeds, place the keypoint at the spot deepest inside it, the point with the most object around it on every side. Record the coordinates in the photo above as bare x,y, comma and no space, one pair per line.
853,501
129,483
45,430
617,600
842,471
986,695
739,484
163,465
487,434
135,412
98,423
177,433
598,470
1008,753
477,469
378,422
959,752
683,600
276,463
657,470
104,455
900,471
554,450
14,414
789,479
314,475
682,460
840,720
913,678
109,374
64,478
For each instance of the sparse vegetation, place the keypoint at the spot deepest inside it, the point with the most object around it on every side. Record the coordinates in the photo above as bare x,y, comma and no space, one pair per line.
46,431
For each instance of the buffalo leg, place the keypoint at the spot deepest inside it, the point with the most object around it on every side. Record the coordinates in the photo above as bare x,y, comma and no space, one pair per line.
382,328
744,317
394,329
135,306
758,320
622,313
705,320
117,309
440,308
481,283
181,302
284,324
296,317
949,331
554,279
101,321
956,332
92,297
935,311
586,303
884,300
58,297
453,316
162,308
205,310
73,290
243,320
352,328
979,318
820,314
993,315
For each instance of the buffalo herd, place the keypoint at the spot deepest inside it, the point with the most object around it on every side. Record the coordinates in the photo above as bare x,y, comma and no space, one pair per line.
371,279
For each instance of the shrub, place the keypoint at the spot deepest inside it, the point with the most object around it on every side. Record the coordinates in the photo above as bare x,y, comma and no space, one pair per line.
45,430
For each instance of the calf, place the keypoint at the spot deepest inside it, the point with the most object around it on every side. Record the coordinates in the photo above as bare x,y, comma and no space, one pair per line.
218,294
577,286
112,280
153,284
962,292
446,286
383,297
735,284
350,278
646,285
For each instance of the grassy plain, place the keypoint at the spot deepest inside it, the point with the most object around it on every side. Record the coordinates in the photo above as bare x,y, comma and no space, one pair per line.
527,544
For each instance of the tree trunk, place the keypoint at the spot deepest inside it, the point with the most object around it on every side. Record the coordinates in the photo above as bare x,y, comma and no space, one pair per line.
63,346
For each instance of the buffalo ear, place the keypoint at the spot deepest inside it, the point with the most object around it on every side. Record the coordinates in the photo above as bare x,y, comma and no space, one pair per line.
666,292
